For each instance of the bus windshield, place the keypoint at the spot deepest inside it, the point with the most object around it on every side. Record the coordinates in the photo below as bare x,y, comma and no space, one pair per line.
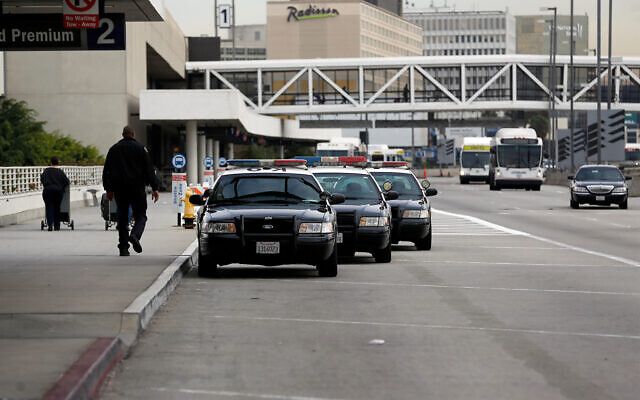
474,159
519,156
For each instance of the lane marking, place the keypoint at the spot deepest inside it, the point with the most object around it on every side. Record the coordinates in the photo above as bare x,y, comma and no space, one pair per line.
238,394
504,247
622,260
429,326
490,263
488,288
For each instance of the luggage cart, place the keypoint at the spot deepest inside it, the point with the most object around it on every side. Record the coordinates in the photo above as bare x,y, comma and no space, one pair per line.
65,211
109,211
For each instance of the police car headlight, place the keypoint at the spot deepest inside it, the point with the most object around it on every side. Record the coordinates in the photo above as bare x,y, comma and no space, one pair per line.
316,227
415,214
221,227
580,189
374,221
620,190
462,172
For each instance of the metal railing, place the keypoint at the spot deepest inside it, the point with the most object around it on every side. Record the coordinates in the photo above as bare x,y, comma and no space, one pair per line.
18,180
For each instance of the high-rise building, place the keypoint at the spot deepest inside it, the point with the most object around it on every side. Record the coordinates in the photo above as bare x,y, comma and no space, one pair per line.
338,29
452,33
532,32
250,44
394,6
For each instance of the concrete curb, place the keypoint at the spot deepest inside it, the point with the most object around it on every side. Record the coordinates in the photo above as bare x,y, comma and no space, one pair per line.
83,380
136,317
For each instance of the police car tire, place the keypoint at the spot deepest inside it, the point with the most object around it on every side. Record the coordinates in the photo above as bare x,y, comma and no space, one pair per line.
384,255
329,267
206,266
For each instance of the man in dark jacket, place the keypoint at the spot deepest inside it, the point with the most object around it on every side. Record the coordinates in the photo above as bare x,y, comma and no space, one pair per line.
127,170
54,182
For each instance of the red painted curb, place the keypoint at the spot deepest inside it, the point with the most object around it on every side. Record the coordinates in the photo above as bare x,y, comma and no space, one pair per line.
84,378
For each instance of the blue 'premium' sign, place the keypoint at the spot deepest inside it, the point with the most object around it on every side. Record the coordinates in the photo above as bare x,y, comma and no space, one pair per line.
33,32
178,161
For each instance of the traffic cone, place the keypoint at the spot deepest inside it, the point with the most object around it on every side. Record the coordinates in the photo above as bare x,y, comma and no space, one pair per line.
425,173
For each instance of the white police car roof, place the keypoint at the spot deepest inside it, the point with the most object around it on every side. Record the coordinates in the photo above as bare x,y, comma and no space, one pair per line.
267,170
338,170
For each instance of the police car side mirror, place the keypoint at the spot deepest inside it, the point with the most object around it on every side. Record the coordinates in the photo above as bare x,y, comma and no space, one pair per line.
336,198
196,200
570,177
430,192
391,195
207,193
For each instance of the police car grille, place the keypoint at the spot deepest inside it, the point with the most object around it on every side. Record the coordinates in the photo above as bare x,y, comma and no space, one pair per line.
268,226
346,220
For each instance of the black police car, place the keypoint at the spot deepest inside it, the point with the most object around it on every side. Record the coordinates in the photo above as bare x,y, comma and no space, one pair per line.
411,212
599,185
364,220
267,212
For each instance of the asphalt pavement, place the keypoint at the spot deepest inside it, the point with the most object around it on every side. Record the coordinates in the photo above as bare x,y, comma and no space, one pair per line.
519,298
60,291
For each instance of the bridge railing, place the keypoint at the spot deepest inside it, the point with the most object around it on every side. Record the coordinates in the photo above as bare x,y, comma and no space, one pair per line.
19,180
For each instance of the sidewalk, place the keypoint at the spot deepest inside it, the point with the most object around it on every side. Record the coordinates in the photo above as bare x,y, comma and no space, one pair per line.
60,291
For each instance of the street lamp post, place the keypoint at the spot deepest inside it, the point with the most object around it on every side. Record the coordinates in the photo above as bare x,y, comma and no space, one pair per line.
552,83
571,79
609,82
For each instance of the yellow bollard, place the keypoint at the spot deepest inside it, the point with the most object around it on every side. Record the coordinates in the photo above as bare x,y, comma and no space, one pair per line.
189,215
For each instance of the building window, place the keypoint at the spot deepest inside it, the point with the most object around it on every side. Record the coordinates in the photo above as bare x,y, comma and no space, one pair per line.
256,35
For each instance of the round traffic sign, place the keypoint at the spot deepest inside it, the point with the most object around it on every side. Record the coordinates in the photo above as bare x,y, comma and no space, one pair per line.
208,162
80,5
178,161
222,161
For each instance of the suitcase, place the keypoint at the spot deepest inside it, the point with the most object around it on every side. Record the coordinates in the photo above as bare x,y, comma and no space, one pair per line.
109,211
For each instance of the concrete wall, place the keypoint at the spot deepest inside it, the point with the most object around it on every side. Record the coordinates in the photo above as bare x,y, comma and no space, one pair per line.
24,207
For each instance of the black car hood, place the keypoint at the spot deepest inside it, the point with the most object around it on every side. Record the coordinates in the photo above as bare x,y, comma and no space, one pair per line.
609,183
315,212
360,209
409,204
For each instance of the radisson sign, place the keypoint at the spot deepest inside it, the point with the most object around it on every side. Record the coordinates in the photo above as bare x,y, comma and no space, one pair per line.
311,12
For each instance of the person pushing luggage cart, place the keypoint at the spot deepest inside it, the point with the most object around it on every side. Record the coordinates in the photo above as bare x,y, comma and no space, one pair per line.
56,197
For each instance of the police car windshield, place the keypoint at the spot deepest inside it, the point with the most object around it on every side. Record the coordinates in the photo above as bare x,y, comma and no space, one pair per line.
608,174
355,187
243,189
405,184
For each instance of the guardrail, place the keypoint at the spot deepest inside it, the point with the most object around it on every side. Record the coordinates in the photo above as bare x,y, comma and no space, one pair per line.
19,180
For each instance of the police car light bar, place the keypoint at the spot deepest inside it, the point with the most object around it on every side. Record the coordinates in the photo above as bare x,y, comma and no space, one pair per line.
394,164
290,163
353,161
252,163
243,163
311,160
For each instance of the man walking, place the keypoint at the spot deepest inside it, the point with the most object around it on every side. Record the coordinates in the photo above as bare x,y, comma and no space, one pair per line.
127,170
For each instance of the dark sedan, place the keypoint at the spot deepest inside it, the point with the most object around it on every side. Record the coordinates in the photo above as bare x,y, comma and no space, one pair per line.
601,185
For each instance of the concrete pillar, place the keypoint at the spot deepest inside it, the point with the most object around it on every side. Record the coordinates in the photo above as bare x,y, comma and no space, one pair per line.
281,151
192,152
209,147
216,156
202,150
230,151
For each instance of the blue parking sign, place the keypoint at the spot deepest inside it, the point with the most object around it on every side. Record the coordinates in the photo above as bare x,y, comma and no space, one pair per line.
208,162
178,161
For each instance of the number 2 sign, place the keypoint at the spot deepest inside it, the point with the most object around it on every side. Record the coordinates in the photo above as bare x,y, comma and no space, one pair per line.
110,34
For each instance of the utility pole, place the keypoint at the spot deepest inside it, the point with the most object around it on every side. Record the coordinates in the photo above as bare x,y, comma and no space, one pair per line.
609,81
598,85
571,78
215,18
555,83
233,28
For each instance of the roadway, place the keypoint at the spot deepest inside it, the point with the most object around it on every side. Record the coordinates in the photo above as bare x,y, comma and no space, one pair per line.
520,298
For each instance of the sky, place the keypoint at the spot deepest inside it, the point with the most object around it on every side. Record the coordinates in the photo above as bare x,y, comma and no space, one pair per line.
195,17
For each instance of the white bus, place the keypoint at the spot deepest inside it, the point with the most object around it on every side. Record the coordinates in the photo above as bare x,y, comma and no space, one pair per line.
632,152
516,155
339,147
382,152
474,159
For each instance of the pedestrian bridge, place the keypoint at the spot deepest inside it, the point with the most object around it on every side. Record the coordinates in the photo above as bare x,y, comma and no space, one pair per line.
427,84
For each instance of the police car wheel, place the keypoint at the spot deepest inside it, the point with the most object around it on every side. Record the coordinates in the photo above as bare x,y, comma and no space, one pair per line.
384,255
206,266
329,267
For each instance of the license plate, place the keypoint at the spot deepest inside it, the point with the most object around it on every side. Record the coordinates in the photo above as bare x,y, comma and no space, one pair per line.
340,238
268,248
599,198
